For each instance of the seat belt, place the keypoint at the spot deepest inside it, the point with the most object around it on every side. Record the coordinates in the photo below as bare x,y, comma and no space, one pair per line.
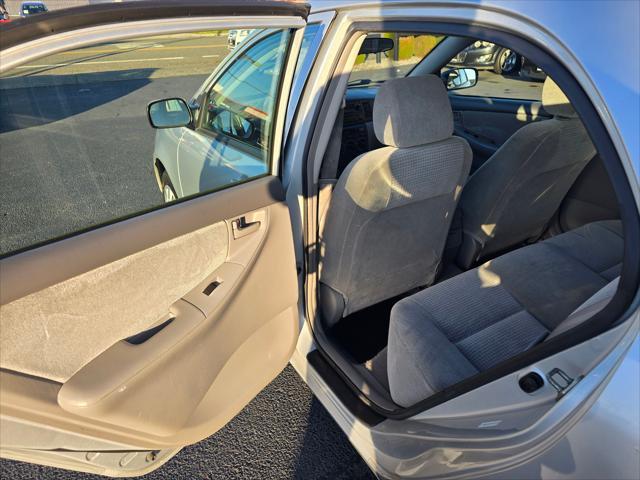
329,167
331,161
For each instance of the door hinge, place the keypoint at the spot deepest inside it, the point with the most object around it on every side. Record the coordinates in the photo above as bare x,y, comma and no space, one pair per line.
562,382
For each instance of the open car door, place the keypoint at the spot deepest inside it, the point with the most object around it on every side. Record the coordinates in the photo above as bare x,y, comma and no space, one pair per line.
125,339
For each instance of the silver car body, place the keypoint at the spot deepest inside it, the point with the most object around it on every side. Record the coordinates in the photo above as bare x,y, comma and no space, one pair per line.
196,162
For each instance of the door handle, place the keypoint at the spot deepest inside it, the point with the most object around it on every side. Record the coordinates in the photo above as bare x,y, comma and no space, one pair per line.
241,227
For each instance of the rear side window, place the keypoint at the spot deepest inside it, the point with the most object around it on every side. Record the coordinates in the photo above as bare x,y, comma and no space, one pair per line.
77,147
502,72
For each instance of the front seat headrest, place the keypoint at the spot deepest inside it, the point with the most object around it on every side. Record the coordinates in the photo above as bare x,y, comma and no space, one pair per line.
412,111
555,102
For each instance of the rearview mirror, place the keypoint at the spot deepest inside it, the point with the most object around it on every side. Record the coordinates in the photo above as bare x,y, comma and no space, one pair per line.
458,78
376,45
169,113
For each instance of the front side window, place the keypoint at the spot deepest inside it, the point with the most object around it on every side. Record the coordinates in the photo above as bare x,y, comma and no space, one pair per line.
241,103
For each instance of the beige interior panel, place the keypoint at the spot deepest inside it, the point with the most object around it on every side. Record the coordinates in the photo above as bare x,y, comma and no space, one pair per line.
186,381
33,270
56,331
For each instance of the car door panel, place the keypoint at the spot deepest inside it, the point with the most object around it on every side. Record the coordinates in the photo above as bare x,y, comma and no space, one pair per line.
157,386
206,161
105,305
124,342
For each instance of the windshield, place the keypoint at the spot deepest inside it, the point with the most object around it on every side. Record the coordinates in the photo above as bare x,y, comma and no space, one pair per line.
407,52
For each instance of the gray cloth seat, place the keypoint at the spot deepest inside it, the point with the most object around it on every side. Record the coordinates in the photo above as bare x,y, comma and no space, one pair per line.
390,211
512,197
481,317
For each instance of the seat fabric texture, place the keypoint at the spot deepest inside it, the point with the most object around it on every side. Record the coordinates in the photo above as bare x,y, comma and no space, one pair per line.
512,197
473,321
391,208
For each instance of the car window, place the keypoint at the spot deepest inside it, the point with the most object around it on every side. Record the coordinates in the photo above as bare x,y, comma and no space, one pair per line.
502,72
77,149
240,105
408,50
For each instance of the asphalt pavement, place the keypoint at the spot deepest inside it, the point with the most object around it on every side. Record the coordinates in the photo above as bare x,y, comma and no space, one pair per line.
93,158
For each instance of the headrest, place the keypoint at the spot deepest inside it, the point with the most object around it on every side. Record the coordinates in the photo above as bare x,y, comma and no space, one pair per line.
554,101
412,111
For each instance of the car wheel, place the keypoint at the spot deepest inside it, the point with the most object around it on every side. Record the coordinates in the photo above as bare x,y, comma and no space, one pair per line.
506,62
168,192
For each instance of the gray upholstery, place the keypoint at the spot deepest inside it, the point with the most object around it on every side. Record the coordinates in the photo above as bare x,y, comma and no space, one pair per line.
479,318
588,309
391,208
512,197
412,111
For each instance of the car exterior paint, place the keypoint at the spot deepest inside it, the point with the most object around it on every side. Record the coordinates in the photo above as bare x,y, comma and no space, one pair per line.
197,161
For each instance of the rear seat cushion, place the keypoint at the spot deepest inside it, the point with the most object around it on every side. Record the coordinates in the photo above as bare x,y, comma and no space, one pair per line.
479,318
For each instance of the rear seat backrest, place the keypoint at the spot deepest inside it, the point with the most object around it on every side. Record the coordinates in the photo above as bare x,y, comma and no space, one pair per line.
512,197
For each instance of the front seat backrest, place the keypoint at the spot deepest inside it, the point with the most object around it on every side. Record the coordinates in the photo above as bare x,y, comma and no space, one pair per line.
512,197
391,208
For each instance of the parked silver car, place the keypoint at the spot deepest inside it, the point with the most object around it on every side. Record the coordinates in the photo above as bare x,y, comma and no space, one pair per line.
229,124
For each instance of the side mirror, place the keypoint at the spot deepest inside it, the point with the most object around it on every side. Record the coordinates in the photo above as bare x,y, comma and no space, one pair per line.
459,78
169,113
376,45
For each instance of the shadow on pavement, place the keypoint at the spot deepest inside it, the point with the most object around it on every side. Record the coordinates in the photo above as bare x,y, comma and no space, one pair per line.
38,100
